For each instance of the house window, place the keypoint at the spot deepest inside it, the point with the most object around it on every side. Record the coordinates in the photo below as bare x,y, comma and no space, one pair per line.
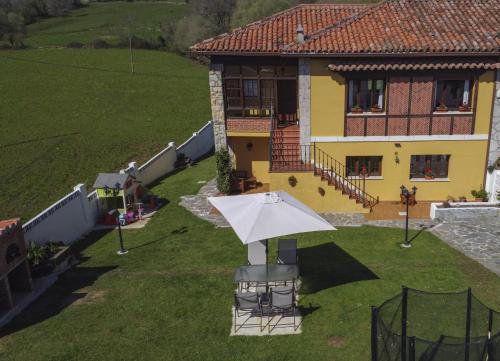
251,90
366,95
364,166
452,94
429,166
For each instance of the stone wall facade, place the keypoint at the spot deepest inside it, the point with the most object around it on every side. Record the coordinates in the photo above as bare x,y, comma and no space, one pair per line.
217,101
494,151
304,84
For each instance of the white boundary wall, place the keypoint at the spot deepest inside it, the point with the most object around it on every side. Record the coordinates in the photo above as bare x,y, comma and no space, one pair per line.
76,214
493,184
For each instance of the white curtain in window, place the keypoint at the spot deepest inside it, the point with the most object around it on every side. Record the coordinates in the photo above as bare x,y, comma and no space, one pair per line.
465,99
380,88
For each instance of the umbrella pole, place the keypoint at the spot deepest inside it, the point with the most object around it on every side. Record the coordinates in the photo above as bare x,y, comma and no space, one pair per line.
267,266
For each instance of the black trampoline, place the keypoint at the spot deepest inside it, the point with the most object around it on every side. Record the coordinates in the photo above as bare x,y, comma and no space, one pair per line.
423,326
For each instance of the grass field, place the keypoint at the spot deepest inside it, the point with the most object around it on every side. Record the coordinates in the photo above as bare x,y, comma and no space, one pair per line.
106,20
170,298
66,115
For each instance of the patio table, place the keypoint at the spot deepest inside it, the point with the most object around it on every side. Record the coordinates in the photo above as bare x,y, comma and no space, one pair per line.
257,273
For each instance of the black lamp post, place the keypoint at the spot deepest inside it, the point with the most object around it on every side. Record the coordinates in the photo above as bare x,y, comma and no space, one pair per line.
115,191
407,194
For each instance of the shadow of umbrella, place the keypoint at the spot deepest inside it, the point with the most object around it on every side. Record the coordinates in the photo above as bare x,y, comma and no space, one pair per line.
327,265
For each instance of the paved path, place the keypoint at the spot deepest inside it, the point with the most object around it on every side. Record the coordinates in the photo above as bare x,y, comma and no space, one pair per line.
479,240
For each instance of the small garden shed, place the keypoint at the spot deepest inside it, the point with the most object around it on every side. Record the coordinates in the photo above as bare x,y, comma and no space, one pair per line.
116,190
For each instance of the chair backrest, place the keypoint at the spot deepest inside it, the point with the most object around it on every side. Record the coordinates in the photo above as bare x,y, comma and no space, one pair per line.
282,297
240,173
246,300
287,251
257,253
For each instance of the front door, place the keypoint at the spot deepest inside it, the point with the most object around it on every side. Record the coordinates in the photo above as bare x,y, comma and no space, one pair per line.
287,102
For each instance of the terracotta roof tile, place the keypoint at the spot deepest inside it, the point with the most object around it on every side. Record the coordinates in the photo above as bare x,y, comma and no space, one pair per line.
413,64
389,27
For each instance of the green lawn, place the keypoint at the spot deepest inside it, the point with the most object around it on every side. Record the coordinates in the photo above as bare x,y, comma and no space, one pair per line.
67,114
106,20
170,297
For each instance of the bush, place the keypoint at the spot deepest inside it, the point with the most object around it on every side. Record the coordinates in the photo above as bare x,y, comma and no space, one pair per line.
100,44
75,45
223,160
480,194
137,43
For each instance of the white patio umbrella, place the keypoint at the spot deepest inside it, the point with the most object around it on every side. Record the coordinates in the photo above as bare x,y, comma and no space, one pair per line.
260,216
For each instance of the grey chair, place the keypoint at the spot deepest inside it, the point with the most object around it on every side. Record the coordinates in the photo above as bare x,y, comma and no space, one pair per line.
283,303
247,304
257,256
287,251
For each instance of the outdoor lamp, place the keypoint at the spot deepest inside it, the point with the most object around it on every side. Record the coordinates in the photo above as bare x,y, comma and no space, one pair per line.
116,191
407,194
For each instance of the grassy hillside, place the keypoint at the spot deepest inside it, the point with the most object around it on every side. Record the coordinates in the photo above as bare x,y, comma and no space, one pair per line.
106,21
66,115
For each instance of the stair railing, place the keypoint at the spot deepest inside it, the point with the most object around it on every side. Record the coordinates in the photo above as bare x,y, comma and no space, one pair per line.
337,174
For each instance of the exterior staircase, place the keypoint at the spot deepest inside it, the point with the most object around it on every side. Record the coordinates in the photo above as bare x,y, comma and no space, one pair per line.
287,154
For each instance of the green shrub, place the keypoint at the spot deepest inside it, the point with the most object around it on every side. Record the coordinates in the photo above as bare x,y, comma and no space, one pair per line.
223,160
480,194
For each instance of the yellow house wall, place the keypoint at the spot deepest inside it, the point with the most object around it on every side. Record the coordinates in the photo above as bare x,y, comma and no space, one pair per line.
255,161
327,100
306,191
484,102
465,172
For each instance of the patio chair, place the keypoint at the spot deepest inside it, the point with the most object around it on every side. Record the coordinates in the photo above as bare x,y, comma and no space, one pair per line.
283,303
242,182
257,256
287,251
247,304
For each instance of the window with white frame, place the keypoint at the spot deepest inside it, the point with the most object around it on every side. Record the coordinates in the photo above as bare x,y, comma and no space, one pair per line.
366,95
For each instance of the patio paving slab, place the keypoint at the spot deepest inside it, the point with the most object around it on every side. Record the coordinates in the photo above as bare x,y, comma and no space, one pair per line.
276,325
479,240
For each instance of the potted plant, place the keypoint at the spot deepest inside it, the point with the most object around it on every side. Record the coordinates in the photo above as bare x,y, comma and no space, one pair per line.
428,173
376,108
463,107
356,109
480,196
441,108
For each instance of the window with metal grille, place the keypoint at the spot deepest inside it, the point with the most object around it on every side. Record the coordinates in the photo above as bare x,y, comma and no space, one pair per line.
366,95
364,166
429,166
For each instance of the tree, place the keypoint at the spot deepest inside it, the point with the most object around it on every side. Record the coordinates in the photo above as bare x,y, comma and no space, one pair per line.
247,11
16,31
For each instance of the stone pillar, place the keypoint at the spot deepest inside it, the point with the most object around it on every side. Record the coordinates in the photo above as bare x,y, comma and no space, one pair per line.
494,151
304,84
217,101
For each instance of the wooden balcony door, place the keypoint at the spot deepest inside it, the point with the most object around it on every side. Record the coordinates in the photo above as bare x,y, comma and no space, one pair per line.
287,102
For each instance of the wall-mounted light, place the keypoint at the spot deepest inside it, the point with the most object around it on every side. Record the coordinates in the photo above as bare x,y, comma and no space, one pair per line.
321,191
396,157
397,145
249,146
292,181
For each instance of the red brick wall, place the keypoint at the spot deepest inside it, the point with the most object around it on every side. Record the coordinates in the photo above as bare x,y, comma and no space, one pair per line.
249,125
399,103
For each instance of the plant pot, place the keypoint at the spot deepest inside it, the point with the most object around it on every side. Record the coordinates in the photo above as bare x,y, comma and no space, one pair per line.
479,200
463,109
427,177
357,110
376,110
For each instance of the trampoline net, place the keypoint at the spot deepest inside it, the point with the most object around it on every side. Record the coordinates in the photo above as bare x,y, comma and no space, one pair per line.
422,326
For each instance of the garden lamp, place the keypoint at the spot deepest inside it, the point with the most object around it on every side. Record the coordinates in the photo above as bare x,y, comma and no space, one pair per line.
407,194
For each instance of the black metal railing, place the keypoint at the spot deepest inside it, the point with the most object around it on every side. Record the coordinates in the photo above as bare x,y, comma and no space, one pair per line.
306,158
